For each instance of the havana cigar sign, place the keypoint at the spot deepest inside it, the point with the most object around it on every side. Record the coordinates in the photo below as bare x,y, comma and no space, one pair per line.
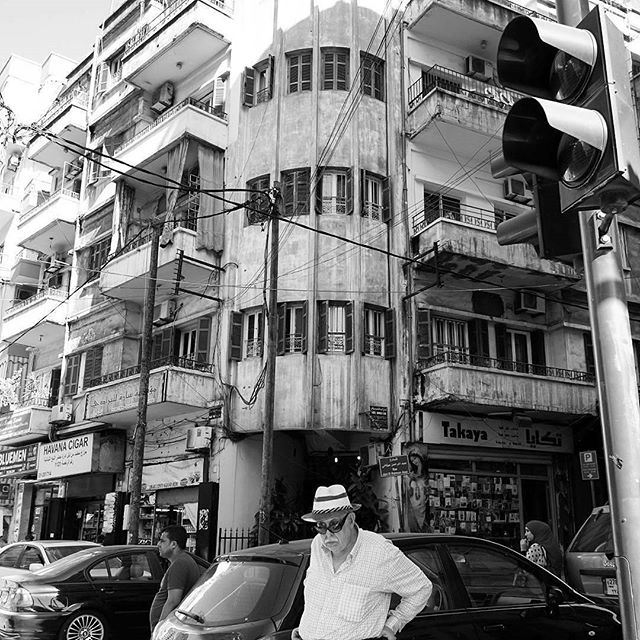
67,457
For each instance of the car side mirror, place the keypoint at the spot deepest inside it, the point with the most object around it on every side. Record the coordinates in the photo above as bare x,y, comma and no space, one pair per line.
34,566
555,597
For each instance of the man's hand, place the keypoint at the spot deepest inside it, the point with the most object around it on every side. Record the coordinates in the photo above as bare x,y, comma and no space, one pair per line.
387,633
295,635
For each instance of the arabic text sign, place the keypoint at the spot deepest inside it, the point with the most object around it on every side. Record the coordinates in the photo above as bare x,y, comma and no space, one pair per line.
66,457
122,396
170,475
393,465
589,465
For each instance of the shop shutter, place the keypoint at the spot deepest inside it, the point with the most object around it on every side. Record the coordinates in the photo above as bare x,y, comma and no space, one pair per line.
323,307
349,210
204,337
348,327
386,199
424,333
538,356
235,340
248,85
389,334
282,327
303,328
502,347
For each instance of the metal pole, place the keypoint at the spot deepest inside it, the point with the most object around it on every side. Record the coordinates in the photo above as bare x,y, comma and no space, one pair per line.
264,524
135,480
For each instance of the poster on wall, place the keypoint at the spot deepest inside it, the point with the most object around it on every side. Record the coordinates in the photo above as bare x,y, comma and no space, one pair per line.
415,487
171,475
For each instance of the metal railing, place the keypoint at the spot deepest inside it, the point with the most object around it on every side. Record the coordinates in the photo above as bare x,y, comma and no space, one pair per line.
167,361
230,540
29,213
148,30
439,78
35,401
187,102
518,8
467,214
79,97
464,358
46,293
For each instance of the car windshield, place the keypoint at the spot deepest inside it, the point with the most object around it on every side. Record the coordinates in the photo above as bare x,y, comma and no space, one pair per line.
595,535
55,553
235,591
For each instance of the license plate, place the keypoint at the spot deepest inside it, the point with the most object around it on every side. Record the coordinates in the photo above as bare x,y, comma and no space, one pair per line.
610,586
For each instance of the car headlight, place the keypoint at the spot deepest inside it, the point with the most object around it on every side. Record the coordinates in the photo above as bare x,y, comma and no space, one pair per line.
14,597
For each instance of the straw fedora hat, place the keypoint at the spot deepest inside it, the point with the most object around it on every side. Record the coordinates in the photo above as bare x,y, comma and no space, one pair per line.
329,501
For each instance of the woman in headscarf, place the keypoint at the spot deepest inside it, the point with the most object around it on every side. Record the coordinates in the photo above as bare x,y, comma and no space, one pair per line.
541,546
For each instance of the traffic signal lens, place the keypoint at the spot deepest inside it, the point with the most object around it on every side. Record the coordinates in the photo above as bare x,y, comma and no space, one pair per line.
577,160
567,76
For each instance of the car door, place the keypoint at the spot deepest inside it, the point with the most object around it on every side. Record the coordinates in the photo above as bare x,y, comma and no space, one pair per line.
508,597
444,616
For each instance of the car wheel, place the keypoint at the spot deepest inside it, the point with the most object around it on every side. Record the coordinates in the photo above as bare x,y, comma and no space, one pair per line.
84,625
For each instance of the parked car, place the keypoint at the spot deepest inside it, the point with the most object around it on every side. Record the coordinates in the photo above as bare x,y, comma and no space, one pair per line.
590,567
95,594
481,591
22,557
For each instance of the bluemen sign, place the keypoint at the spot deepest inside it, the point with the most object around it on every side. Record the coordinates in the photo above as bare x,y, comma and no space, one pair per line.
438,428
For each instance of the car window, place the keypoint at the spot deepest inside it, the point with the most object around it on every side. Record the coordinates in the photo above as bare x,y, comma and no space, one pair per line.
133,568
30,556
429,561
595,535
55,553
100,572
493,578
9,557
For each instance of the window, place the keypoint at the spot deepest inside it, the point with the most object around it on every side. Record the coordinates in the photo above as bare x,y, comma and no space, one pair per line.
257,83
254,335
589,358
501,215
292,327
335,69
189,344
428,559
374,196
97,165
92,367
97,256
449,335
295,192
258,206
30,556
437,205
72,374
299,71
520,351
334,192
372,82
335,327
373,331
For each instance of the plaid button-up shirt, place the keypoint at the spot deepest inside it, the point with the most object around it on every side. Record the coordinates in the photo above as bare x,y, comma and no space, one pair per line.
352,603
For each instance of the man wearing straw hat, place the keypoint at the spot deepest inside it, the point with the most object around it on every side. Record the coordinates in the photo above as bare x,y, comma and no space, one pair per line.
352,574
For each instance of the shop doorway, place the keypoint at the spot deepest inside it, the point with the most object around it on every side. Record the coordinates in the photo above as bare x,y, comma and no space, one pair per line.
535,500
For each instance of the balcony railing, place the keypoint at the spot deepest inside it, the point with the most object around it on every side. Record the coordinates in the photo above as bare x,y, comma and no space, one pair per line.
29,213
35,401
151,28
443,79
216,111
464,358
181,362
467,214
78,96
46,293
518,8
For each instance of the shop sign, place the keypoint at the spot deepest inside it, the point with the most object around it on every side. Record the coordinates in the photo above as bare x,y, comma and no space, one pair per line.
122,396
67,457
438,428
378,417
393,465
25,422
20,461
589,465
171,475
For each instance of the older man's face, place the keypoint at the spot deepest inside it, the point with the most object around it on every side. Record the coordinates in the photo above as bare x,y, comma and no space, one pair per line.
337,533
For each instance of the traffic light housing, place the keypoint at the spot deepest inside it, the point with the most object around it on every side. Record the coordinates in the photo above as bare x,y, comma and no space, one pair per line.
577,127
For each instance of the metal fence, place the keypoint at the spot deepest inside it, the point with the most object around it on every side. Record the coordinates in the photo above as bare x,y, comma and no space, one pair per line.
235,539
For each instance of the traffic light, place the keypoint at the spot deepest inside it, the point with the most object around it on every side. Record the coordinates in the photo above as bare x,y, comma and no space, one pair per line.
578,126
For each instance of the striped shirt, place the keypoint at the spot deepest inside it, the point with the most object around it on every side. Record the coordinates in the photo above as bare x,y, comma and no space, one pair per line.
352,603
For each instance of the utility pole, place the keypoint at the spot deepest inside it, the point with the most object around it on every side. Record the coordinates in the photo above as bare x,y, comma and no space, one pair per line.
135,479
264,524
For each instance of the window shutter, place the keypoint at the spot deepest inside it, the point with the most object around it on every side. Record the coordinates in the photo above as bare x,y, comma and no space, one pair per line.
103,78
155,348
272,74
538,356
204,333
282,327
589,358
167,337
303,178
501,342
288,193
389,334
54,386
348,327
72,374
305,72
342,71
323,307
386,199
248,85
349,192
365,329
294,69
219,94
235,342
363,184
424,333
318,199
92,365
327,80
303,328
478,337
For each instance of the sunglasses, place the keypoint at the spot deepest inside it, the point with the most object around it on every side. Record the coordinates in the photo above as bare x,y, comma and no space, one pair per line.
334,525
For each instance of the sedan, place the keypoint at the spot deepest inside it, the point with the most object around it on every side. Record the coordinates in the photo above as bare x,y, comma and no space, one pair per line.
94,594
481,591
20,557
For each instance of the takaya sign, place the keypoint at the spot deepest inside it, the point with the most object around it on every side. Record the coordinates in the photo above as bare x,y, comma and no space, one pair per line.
438,428
68,457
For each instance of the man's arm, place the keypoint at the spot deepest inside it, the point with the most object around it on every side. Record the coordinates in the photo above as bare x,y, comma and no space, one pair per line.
174,597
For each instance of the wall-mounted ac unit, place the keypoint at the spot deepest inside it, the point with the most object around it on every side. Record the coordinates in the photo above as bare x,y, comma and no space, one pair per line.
198,438
164,312
370,453
61,414
13,162
163,97
515,189
529,302
478,68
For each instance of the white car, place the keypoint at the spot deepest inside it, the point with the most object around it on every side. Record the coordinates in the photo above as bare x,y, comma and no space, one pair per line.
22,557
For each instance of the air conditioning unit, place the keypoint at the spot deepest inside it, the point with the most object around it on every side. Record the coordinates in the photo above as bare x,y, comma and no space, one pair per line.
478,68
198,438
13,162
163,97
515,189
370,454
61,414
164,312
529,302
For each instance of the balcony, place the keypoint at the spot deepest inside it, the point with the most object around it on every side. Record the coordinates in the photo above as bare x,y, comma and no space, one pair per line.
466,243
68,120
36,321
468,111
177,385
187,35
124,278
458,381
26,267
189,117
50,226
28,422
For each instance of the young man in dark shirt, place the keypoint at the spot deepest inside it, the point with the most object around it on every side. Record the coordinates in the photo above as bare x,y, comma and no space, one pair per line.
182,574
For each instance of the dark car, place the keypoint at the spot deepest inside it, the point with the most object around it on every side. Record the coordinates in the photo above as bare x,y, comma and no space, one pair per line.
481,591
95,594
